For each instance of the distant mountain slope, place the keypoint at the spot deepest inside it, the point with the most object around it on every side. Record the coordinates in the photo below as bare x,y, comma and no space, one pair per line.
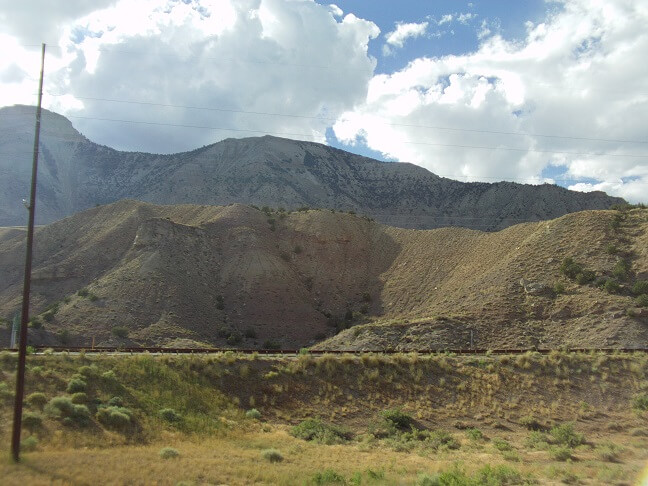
238,276
76,174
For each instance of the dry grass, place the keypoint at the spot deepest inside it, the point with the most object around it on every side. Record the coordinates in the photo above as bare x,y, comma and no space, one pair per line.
217,444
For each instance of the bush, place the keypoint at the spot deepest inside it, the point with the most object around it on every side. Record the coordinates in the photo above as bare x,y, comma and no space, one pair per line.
329,476
69,413
640,402
170,415
116,402
234,339
642,300
608,452
428,480
474,434
250,333
585,277
560,453
570,268
29,444
272,455
120,332
530,422
36,400
5,394
116,418
270,344
32,421
76,385
318,431
621,269
497,475
35,323
502,445
83,293
612,286
397,418
253,413
559,288
537,440
640,287
79,397
168,453
564,434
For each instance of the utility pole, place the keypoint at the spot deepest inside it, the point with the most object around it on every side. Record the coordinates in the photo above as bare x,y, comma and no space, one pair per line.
22,346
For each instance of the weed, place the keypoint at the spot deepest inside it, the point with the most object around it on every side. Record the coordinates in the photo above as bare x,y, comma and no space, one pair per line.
474,434
272,455
168,453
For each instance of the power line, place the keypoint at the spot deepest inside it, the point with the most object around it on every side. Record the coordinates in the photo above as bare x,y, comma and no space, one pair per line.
407,125
514,149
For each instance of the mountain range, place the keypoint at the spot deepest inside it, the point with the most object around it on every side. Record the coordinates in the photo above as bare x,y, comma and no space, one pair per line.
76,174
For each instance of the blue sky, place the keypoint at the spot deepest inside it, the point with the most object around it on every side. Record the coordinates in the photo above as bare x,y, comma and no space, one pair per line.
528,91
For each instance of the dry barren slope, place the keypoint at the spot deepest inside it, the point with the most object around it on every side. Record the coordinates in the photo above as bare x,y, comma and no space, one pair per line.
178,274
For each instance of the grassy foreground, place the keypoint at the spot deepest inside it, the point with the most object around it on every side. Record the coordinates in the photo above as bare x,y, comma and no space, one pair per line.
372,419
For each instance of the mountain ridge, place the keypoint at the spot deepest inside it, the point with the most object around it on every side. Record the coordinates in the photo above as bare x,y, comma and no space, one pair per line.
201,274
76,174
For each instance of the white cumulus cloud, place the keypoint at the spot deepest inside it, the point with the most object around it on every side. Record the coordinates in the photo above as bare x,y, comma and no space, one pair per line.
200,63
403,31
487,115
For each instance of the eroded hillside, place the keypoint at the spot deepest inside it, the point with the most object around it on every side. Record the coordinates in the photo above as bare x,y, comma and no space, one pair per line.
135,273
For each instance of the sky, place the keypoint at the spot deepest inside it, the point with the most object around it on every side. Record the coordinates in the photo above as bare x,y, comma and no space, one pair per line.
537,91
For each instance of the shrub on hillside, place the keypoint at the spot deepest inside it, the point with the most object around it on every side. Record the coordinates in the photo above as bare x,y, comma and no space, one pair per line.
565,434
116,418
640,287
29,444
318,431
168,453
69,413
36,400
642,300
32,421
170,415
76,385
621,269
120,332
640,402
530,423
612,286
570,268
79,397
397,418
272,455
253,413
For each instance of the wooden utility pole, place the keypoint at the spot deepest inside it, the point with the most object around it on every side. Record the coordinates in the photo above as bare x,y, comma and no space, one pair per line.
22,346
